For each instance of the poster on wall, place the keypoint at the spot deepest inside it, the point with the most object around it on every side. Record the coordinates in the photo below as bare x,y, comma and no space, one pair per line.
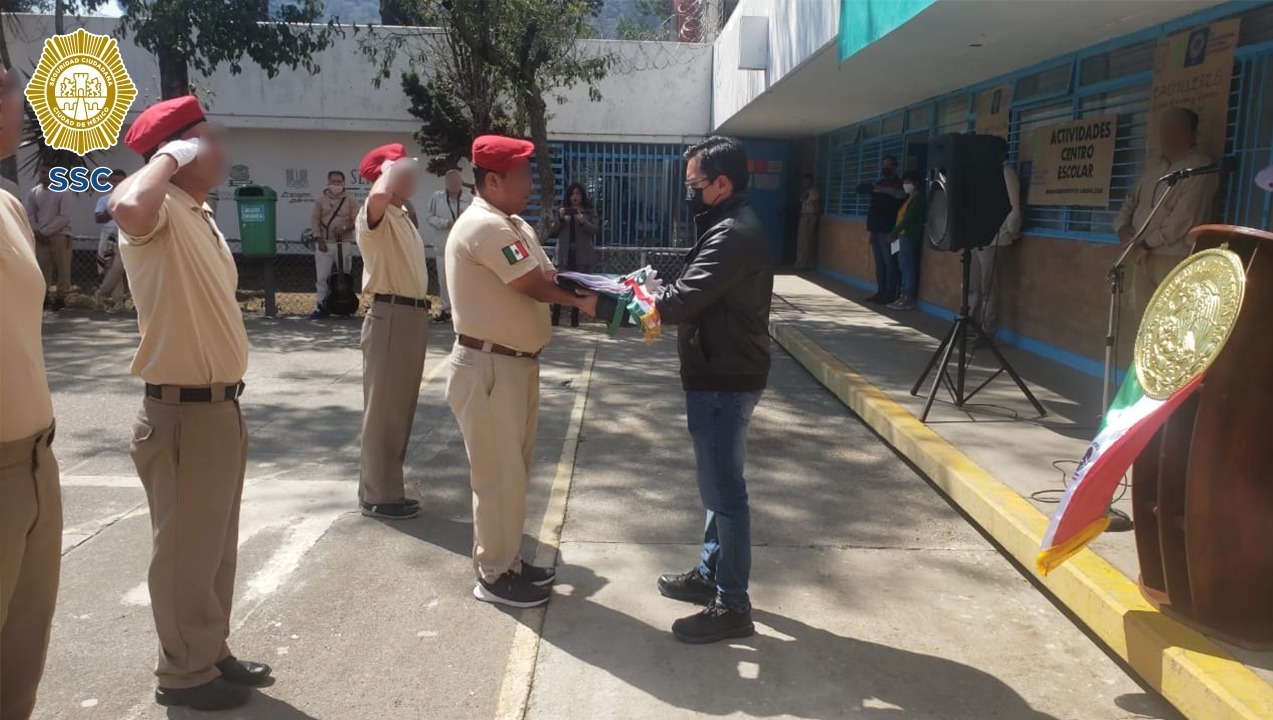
1070,163
991,108
1193,69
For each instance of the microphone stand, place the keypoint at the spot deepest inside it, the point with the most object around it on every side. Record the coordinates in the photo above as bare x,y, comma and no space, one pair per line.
1115,277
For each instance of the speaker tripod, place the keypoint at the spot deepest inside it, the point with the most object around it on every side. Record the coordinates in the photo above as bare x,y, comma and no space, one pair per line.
957,339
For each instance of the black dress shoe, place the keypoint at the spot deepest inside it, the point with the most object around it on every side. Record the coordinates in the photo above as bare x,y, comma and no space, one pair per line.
689,587
243,672
713,624
216,695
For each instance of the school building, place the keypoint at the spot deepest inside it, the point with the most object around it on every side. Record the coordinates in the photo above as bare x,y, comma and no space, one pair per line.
847,83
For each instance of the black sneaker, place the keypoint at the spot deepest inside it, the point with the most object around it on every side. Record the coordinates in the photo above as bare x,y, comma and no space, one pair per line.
512,590
216,695
391,511
244,672
411,502
689,587
713,624
59,303
538,576
443,317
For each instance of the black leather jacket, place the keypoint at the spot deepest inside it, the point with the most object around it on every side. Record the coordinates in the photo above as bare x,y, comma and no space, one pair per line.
720,302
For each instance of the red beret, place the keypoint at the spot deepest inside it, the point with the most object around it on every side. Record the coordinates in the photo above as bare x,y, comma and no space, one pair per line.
161,121
498,153
369,168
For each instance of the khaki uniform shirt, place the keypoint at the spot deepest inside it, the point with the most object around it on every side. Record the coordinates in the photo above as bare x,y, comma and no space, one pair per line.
337,216
49,212
1190,204
183,280
392,255
25,405
485,252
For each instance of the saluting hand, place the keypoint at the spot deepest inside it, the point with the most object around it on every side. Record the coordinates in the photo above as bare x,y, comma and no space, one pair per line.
183,151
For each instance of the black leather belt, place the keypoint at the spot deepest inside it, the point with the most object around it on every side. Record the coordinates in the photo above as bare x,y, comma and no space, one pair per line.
489,347
196,394
400,300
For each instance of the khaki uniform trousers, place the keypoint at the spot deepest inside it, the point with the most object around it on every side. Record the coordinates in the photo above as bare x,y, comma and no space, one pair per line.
53,253
1141,282
191,458
30,557
807,242
495,399
394,341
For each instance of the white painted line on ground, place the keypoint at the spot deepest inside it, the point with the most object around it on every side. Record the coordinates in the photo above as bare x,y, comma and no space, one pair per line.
519,673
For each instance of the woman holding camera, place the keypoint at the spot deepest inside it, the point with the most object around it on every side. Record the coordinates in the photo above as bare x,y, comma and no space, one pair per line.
575,228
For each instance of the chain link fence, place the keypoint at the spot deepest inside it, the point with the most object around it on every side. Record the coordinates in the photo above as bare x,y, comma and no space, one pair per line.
293,276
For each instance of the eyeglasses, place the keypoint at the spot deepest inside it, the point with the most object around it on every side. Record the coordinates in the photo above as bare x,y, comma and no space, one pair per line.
698,183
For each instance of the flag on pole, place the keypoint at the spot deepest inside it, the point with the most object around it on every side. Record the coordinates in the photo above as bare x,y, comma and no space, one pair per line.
1083,513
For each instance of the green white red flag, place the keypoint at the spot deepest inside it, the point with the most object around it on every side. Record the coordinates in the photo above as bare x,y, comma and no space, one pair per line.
1130,423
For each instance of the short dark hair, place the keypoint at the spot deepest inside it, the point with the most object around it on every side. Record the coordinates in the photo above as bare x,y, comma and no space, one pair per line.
335,172
889,157
722,156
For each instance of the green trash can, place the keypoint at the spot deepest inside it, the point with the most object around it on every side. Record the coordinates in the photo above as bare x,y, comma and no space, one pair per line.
258,228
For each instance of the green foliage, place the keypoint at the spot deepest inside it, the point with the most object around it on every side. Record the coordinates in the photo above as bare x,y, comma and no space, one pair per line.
650,20
204,34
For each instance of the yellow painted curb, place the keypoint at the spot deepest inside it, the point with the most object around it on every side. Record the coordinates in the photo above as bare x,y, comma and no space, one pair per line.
1196,675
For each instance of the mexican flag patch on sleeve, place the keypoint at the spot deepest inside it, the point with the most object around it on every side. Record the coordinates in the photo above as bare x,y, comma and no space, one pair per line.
516,252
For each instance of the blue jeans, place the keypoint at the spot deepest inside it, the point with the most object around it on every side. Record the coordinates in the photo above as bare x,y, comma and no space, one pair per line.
886,270
908,258
718,425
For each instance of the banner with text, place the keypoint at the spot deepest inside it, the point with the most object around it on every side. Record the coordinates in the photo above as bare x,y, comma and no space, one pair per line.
991,108
1193,69
1070,163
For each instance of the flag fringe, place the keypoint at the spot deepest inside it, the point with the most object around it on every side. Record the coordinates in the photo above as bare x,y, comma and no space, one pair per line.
1049,559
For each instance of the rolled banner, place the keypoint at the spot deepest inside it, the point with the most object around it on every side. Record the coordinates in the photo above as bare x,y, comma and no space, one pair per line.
622,298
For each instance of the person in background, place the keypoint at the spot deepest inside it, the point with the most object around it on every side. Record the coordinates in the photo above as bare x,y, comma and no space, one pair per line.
988,261
720,305
576,229
908,234
109,263
445,207
886,197
332,222
1162,246
807,231
30,492
50,216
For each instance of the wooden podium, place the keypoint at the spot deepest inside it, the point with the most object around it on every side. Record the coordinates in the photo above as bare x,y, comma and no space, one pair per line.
1202,490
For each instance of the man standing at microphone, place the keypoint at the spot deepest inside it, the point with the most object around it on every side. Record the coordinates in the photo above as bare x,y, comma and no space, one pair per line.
189,441
395,331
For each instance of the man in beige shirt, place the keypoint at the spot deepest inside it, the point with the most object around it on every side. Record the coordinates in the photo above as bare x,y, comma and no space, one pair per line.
331,227
189,441
30,496
1162,246
50,216
395,331
501,284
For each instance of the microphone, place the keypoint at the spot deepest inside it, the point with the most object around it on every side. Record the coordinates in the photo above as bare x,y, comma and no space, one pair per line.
1222,166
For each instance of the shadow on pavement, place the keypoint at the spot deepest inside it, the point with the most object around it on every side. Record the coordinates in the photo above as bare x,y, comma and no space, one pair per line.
788,668
261,707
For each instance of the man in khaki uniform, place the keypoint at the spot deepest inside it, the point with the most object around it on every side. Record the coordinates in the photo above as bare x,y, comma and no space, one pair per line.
395,331
50,216
501,284
189,442
30,498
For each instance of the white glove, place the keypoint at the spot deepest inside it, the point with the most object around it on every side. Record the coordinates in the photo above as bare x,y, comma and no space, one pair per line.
183,151
384,166
652,283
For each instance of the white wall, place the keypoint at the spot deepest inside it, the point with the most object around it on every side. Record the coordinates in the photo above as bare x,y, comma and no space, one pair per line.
798,29
656,92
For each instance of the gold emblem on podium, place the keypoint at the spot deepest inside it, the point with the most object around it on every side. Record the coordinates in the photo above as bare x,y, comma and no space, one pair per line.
80,92
1188,320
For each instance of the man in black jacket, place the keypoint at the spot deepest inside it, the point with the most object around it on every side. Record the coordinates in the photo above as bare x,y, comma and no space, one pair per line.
720,305
887,197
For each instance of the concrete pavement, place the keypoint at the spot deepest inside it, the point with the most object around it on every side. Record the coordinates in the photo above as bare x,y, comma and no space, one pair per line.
874,597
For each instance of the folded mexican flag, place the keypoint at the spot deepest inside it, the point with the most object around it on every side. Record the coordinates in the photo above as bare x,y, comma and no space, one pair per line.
1130,423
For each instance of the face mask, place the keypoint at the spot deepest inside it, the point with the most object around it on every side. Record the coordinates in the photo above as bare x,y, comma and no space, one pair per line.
908,187
336,189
